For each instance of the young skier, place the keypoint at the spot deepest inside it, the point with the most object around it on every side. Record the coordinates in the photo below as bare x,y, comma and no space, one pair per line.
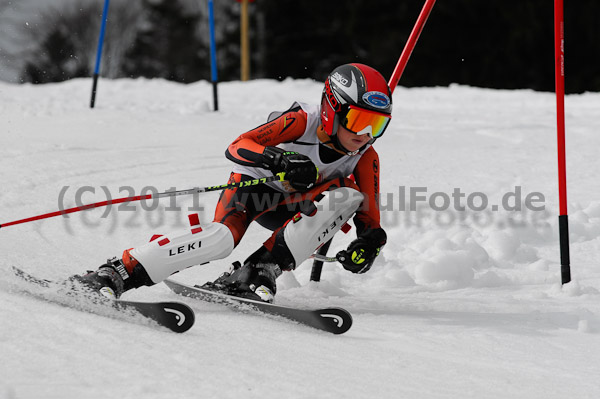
317,147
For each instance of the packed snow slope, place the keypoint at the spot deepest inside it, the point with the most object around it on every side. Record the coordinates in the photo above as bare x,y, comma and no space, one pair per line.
464,302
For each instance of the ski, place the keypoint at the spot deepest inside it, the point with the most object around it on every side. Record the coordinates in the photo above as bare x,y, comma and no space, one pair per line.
333,320
175,316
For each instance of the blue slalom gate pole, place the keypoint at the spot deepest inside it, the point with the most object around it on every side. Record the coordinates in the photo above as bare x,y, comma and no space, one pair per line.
99,52
213,54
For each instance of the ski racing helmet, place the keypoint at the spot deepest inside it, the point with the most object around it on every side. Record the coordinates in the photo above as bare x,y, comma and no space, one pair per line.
357,97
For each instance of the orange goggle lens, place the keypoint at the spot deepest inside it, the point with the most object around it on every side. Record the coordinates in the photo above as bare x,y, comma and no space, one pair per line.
362,121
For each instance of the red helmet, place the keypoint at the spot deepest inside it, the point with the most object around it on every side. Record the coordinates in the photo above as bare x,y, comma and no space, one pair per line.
357,97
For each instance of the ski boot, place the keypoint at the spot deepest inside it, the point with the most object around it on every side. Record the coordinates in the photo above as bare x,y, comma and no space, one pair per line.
113,278
254,280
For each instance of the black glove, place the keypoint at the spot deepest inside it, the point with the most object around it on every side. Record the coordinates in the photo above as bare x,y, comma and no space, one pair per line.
361,253
300,171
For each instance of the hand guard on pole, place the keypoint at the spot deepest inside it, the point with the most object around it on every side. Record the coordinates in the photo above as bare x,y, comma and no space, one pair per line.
300,171
361,253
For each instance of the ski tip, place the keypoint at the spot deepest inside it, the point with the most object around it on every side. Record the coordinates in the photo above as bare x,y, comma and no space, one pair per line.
175,316
336,320
183,317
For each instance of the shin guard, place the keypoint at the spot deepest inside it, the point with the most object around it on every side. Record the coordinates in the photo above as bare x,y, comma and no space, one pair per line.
170,253
302,235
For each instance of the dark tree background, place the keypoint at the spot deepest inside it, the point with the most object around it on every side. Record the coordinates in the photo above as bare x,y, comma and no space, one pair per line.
167,44
495,43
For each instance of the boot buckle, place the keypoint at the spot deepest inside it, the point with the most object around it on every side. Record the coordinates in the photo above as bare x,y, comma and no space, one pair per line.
264,293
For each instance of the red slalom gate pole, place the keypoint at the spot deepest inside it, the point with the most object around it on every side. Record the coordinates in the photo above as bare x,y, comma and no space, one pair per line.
559,68
410,44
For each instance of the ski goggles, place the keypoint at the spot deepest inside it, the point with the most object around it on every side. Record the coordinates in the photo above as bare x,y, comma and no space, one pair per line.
363,121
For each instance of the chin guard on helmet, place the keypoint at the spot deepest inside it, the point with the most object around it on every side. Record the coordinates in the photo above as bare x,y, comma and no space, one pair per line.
329,110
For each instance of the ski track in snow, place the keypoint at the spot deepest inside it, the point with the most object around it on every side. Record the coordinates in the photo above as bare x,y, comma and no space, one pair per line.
459,305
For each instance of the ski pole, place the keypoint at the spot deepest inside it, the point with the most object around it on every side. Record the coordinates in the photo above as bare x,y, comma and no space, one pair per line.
278,177
323,258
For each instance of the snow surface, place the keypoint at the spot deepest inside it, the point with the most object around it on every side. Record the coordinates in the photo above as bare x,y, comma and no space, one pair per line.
461,304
